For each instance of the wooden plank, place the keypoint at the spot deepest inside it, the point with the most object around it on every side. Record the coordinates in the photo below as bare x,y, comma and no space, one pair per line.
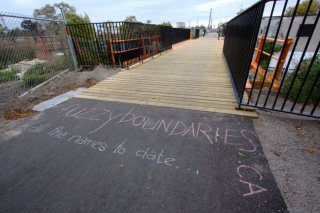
220,105
193,76
197,108
228,92
207,97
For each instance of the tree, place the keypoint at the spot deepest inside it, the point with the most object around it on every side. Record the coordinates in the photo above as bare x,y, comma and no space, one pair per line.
3,30
50,11
31,27
201,27
167,24
14,32
131,19
148,22
65,6
302,8
73,18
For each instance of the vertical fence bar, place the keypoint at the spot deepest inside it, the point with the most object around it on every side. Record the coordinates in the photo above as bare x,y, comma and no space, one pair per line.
245,40
298,87
314,83
304,51
272,48
259,61
120,43
282,50
305,77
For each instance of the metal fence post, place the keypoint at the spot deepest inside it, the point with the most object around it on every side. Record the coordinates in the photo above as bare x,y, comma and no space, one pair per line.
70,43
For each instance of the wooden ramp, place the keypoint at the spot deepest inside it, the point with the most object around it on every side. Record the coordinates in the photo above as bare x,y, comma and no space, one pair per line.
191,76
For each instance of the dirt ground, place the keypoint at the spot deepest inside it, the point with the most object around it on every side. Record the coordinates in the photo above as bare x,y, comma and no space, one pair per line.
291,143
63,83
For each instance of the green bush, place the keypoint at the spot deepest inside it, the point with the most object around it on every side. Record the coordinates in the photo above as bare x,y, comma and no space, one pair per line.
8,75
41,72
301,75
37,68
33,79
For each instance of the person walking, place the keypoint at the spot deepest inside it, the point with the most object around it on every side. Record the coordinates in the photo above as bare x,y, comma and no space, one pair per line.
204,32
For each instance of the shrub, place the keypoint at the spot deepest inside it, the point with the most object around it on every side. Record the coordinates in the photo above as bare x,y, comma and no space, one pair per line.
33,79
306,89
8,75
37,68
41,72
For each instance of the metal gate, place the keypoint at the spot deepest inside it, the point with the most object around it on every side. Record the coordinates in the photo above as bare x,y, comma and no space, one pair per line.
274,59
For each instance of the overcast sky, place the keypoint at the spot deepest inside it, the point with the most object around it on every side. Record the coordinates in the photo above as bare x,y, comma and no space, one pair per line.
155,10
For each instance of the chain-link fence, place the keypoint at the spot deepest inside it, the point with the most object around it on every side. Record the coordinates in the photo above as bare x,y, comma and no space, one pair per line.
32,50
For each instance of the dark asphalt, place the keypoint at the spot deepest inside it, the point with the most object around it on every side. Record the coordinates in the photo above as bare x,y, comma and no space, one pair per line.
95,156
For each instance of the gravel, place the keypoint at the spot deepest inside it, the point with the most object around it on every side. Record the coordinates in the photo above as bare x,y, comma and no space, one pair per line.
292,147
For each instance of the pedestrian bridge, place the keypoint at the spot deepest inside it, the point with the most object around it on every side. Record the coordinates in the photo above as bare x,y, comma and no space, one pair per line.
192,76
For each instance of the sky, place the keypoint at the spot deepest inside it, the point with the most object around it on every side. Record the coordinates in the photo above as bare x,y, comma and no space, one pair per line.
195,11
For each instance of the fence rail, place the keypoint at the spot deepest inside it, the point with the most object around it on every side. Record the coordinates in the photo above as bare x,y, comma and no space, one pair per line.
120,44
32,50
274,60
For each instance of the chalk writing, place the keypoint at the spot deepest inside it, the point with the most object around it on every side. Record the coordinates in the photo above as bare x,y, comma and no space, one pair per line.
120,149
253,188
39,129
58,132
245,140
144,154
81,140
152,155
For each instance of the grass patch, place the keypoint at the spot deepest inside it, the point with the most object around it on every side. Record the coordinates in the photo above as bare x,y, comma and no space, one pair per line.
41,72
6,76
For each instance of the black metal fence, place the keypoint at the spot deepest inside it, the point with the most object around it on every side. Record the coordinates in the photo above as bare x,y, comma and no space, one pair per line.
274,59
180,34
120,44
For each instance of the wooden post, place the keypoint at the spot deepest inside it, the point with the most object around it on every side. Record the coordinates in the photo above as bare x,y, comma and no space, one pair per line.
262,39
281,60
112,53
144,52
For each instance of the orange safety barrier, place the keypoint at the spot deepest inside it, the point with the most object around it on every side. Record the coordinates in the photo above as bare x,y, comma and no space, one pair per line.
280,62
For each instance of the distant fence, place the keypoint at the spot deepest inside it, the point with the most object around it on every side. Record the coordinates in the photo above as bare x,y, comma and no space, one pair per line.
120,44
274,60
32,50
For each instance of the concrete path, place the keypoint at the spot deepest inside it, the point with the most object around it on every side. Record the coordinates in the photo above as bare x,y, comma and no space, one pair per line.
191,76
97,156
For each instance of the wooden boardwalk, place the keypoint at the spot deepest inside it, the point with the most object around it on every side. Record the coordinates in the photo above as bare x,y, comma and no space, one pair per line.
191,76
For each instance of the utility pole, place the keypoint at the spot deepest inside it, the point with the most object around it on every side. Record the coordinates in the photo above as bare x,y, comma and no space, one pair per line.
70,43
210,21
